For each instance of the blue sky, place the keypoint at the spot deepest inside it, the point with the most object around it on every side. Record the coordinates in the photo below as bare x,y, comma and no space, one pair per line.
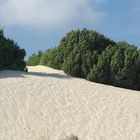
40,24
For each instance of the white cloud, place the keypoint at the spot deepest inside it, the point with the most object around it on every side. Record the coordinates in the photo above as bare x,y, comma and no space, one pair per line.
49,13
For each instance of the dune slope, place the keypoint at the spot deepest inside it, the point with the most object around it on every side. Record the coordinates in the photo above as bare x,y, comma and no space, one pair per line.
46,104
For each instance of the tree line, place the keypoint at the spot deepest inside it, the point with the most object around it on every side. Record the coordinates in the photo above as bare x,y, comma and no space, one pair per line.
91,55
11,55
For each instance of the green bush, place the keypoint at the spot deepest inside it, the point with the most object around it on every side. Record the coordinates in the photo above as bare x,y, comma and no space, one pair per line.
11,56
125,66
51,58
91,55
34,59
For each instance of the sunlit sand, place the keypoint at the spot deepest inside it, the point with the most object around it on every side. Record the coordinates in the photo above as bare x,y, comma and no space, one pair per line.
46,104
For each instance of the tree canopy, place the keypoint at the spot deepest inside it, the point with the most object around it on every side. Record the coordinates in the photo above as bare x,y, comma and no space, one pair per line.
93,56
34,59
11,55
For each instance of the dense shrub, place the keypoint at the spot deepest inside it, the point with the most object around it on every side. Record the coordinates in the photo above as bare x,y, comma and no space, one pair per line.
118,65
100,71
11,56
125,66
51,58
88,54
77,51
34,59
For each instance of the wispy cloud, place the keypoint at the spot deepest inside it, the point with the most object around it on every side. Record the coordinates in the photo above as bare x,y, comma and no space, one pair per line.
49,13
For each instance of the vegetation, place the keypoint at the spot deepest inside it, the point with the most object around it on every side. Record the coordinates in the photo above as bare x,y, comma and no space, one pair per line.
91,55
34,59
11,56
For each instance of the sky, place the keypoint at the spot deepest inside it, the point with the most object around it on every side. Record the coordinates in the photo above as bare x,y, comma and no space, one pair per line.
40,24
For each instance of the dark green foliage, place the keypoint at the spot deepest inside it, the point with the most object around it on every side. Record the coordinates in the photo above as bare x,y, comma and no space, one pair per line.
125,66
72,65
51,58
90,55
11,56
118,65
34,59
79,51
101,71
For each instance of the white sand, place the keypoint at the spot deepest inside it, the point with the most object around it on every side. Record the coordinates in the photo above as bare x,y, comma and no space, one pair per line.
45,104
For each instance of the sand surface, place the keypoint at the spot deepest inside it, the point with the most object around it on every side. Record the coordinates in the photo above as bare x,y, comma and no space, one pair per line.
46,104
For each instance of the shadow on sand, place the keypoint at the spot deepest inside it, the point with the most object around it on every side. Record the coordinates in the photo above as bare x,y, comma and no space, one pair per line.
21,74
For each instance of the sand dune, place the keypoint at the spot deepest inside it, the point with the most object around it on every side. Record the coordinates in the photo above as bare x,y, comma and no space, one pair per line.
46,104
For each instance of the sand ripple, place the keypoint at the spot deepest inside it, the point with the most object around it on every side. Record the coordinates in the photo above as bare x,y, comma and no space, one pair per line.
46,104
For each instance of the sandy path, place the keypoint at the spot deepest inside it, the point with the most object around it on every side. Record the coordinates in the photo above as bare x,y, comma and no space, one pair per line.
45,104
